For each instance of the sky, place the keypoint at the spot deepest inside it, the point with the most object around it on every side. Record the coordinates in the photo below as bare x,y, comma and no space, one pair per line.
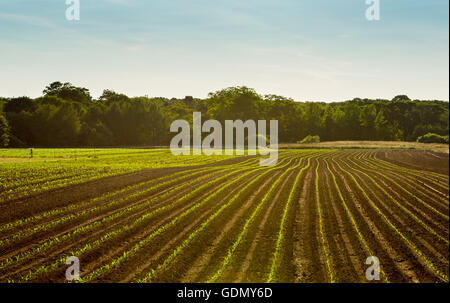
308,50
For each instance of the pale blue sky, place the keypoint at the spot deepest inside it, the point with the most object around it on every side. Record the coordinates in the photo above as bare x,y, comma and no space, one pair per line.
321,50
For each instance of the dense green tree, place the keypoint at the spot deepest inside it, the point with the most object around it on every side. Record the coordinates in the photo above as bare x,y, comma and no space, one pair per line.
367,117
17,105
52,125
382,127
329,125
234,103
138,121
67,116
351,122
4,131
338,130
109,96
287,112
2,103
177,110
68,92
96,135
401,98
313,118
20,124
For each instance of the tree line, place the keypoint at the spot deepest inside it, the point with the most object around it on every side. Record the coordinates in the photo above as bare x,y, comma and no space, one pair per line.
68,116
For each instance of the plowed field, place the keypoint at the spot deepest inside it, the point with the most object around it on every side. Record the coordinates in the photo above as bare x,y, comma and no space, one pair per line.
316,216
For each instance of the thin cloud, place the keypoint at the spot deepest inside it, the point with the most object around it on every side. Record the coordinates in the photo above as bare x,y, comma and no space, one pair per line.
120,2
26,19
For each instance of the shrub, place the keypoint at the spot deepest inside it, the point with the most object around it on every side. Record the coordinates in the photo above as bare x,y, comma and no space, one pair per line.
310,139
433,138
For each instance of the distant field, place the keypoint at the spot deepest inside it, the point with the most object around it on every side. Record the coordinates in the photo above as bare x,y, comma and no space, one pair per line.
148,216
443,148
